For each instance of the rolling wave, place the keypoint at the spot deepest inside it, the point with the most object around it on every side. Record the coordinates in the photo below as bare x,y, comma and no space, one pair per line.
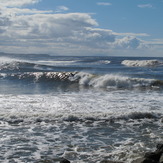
142,63
113,80
84,79
39,76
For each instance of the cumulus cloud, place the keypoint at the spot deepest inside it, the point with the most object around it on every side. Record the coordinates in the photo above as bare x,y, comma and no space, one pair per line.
129,42
46,26
34,31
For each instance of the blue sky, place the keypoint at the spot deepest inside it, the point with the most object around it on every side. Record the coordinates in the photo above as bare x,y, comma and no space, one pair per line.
82,27
118,15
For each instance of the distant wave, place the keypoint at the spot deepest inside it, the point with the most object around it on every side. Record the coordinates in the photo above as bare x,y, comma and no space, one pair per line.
15,65
142,63
84,79
94,61
23,66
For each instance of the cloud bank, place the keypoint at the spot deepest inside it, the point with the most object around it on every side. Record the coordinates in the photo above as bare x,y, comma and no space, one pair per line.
25,30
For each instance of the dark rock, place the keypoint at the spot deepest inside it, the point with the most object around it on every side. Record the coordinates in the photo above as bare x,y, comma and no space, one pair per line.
64,161
152,157
143,160
160,147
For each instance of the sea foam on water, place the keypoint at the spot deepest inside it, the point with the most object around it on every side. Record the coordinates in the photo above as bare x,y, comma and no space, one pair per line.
88,109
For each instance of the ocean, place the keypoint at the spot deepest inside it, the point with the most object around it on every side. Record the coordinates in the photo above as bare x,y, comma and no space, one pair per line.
85,109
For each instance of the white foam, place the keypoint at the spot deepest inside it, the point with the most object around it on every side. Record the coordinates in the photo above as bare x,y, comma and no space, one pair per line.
56,63
110,80
104,61
48,125
81,105
4,60
141,63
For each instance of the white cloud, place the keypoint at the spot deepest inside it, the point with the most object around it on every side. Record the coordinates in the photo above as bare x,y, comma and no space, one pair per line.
104,4
22,11
132,34
35,31
69,33
145,6
62,9
129,42
45,26
17,3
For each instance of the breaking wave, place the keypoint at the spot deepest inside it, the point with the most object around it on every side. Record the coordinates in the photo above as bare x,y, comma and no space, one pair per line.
142,63
113,80
86,79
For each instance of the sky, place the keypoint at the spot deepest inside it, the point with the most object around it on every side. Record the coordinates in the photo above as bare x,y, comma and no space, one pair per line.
82,27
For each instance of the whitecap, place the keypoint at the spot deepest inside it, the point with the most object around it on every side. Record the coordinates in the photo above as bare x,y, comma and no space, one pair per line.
141,63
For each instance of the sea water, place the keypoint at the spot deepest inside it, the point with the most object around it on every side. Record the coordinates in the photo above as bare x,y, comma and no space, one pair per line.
85,109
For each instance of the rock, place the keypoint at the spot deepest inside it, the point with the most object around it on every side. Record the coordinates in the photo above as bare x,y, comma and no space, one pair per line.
152,157
64,161
160,147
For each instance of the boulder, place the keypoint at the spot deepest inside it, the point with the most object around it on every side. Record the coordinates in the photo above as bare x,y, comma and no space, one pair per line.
64,161
152,157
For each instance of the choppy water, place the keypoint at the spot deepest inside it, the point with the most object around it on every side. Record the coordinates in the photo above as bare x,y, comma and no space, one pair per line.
85,109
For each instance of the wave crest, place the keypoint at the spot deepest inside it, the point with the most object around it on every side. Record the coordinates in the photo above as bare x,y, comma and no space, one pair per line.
17,66
113,80
43,76
84,79
141,63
